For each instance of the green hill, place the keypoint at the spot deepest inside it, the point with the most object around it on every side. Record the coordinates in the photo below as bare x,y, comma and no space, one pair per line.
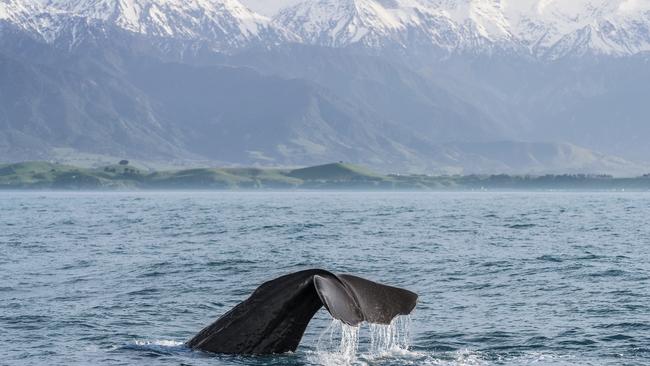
338,172
45,175
39,174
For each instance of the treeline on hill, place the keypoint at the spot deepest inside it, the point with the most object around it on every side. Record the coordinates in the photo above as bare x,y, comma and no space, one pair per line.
53,176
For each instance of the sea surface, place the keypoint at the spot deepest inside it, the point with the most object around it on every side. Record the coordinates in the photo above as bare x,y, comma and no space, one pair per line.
504,278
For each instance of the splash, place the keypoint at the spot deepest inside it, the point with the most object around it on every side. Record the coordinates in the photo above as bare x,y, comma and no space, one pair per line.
341,344
338,344
153,348
159,342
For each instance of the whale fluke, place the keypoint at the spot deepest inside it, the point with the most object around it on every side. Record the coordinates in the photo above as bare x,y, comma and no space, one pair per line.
274,318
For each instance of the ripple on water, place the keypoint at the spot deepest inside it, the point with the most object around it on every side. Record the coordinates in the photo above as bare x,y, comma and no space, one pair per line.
521,226
503,279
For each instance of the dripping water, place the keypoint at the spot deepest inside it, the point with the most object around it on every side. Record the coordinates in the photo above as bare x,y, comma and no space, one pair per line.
385,339
342,344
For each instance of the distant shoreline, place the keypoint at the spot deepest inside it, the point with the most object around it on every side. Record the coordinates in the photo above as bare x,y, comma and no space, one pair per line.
45,176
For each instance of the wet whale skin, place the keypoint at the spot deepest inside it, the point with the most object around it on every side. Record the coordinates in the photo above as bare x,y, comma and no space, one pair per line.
274,318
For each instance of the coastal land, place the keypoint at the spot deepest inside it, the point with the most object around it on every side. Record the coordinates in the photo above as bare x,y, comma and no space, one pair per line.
122,176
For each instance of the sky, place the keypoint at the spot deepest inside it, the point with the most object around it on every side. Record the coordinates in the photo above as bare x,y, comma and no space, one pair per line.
268,7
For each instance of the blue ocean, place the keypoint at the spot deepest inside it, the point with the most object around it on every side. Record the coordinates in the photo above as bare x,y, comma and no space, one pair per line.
527,278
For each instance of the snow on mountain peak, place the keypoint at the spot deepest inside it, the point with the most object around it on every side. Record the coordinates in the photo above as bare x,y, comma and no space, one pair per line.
548,28
371,22
171,18
543,26
338,22
224,24
604,26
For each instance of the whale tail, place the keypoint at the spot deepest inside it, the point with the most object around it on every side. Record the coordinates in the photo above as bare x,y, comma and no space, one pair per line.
274,318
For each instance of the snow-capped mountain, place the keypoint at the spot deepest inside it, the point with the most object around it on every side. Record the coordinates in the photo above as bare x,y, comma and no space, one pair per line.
30,17
185,19
373,23
547,28
415,84
223,23
557,27
544,27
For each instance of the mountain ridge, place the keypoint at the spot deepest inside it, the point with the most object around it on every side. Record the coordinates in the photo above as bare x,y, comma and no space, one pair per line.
545,29
211,81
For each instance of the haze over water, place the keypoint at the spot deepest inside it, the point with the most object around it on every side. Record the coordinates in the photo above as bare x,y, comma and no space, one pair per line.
503,278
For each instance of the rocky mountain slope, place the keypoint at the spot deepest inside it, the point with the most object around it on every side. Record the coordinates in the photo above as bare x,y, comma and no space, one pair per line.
545,28
431,86
540,27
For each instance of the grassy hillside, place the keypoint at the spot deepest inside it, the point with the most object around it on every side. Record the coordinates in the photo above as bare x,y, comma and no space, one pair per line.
48,175
44,175
336,172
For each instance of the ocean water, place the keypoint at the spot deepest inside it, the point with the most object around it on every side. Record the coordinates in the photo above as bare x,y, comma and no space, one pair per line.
503,278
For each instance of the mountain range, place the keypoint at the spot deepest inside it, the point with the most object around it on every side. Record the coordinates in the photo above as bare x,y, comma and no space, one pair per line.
418,86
